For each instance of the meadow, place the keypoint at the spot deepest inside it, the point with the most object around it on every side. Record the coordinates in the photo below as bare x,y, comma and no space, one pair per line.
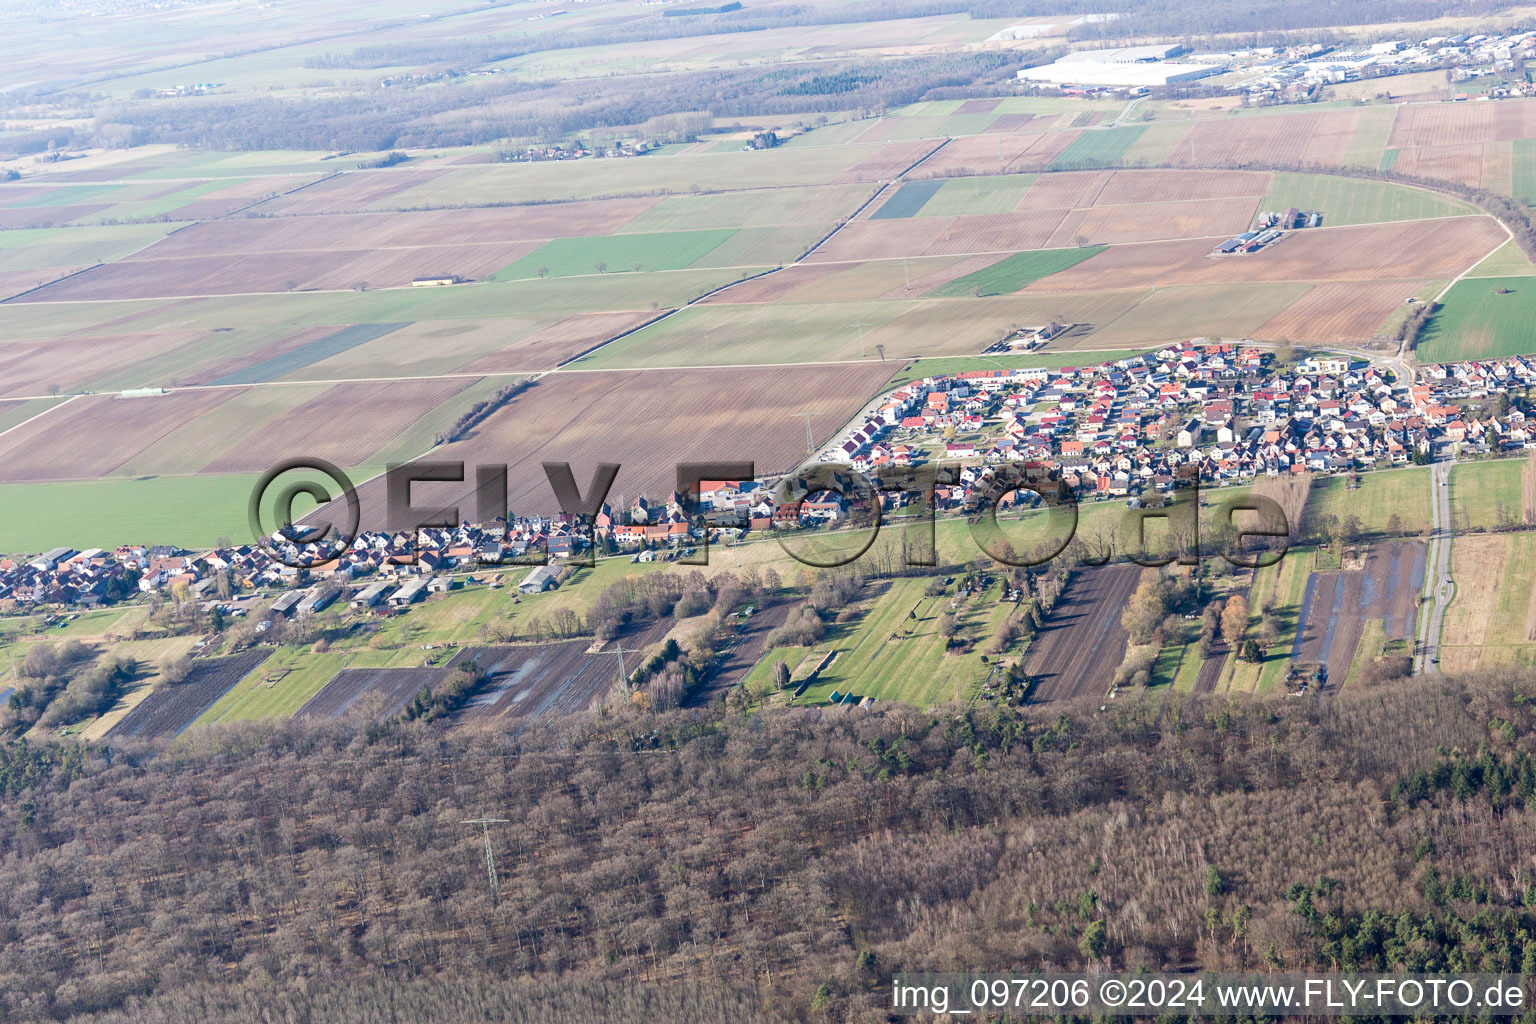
1481,318
1380,495
1345,201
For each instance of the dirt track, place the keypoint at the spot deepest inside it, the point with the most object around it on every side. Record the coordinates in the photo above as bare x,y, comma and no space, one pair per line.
1081,644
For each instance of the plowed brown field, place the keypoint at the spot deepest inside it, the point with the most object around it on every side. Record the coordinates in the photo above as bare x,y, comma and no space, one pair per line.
647,422
1339,312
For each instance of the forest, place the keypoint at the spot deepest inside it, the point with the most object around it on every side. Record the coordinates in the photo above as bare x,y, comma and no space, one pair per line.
725,866
469,112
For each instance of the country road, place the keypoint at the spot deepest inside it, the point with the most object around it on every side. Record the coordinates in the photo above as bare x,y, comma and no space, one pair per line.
1438,587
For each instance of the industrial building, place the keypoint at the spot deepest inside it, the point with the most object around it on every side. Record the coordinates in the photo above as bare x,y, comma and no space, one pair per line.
1087,70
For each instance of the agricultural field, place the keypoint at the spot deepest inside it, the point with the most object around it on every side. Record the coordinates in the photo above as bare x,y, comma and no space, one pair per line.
1408,250
193,511
580,257
1345,312
168,711
1081,642
1492,621
549,679
1345,201
1338,604
1481,318
1487,495
279,687
893,651
381,692
1380,495
1097,149
1508,261
220,430
1014,272
743,414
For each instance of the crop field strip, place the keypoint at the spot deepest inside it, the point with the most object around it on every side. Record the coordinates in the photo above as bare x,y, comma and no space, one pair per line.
167,712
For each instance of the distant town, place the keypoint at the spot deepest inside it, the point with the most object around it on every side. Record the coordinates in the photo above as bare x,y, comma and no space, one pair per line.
1279,73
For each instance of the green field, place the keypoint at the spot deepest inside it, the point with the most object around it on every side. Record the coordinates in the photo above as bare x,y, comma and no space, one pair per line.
553,297
577,257
1380,494
191,511
1523,175
28,248
1284,584
1098,148
1345,201
894,652
1371,135
297,673
1476,322
767,207
983,193
1486,494
1014,272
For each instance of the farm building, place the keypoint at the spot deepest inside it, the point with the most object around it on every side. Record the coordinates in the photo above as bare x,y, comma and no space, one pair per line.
286,602
370,595
316,600
538,581
438,281
409,594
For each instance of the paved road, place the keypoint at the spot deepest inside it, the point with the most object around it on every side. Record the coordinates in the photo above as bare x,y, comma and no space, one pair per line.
1438,587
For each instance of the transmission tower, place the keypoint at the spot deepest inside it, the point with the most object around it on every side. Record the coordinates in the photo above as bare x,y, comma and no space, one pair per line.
621,650
490,860
810,439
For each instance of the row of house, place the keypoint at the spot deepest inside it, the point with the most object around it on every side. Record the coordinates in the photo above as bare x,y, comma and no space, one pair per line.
1124,427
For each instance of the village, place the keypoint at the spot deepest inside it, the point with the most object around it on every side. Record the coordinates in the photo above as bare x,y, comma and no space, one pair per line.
1131,429
1124,429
